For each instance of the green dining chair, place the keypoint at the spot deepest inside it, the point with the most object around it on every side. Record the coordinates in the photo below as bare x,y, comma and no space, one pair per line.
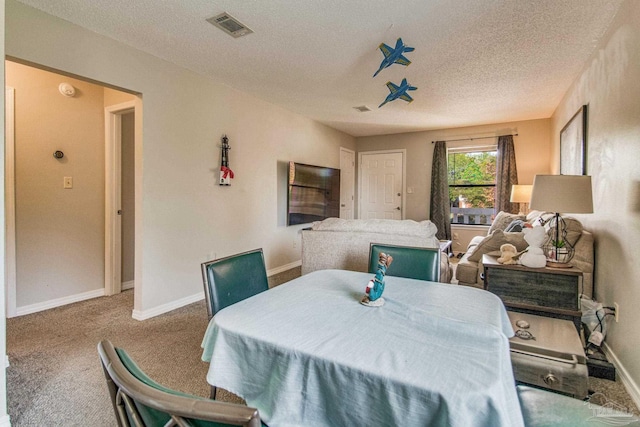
234,278
408,261
141,402
545,408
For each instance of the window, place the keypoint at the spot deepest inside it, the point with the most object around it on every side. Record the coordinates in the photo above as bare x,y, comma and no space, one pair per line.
472,182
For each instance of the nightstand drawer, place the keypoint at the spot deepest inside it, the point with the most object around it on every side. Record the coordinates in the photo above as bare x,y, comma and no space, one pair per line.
533,288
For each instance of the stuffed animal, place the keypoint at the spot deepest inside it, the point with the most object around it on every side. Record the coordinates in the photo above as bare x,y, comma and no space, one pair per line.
534,255
507,254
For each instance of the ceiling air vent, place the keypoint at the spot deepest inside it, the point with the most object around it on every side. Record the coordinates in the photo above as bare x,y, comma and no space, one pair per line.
363,108
230,25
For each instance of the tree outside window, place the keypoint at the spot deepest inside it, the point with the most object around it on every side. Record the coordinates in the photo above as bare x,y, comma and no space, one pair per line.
472,181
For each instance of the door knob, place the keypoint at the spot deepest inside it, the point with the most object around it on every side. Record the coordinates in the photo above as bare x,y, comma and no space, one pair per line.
398,208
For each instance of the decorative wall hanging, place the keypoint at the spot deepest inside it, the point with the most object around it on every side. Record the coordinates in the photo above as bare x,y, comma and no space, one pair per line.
226,174
573,144
398,92
394,56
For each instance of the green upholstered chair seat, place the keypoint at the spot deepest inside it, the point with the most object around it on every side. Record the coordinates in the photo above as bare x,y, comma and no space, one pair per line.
140,401
408,261
541,408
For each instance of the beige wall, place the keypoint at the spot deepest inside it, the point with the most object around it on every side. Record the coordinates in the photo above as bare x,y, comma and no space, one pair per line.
60,232
532,154
182,216
610,85
4,418
113,97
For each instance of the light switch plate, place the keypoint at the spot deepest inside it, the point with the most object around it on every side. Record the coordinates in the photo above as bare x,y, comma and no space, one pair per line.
68,182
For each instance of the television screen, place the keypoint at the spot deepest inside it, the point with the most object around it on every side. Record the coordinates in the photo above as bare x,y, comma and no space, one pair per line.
314,193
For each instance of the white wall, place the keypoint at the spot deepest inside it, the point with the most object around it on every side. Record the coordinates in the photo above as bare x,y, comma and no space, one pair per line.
532,147
182,215
610,85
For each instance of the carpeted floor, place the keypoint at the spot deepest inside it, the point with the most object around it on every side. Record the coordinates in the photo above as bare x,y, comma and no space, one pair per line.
55,377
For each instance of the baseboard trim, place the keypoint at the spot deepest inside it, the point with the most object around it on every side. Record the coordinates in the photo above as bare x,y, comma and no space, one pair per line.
46,305
5,421
174,305
137,314
623,374
284,268
165,308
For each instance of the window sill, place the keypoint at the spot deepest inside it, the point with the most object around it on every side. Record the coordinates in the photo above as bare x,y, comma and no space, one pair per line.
477,226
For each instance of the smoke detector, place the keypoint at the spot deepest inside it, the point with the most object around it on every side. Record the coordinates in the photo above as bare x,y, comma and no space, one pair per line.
230,25
67,90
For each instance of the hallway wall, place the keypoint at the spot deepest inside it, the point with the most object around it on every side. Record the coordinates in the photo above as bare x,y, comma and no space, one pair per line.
59,231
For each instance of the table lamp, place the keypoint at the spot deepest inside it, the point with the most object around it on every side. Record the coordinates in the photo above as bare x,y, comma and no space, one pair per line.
521,194
560,194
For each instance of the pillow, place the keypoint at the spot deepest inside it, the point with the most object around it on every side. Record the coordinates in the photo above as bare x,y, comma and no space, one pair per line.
502,220
536,218
574,229
533,215
515,226
493,242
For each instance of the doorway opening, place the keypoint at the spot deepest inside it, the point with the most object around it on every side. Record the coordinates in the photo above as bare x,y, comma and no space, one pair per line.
58,186
119,197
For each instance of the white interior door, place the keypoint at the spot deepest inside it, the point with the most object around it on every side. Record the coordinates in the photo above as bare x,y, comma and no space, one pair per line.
381,185
347,183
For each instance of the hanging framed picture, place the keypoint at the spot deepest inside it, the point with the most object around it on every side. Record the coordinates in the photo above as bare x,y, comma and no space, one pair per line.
573,144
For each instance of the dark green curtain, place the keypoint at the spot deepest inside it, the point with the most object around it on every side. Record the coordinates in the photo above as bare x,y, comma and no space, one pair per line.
439,206
506,174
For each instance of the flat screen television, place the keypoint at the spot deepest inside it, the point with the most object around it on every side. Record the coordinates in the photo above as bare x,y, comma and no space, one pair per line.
314,193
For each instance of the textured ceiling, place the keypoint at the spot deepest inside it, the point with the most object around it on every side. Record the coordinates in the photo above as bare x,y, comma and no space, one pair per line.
475,61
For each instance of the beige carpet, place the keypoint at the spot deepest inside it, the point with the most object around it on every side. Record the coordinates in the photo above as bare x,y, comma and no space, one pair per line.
55,376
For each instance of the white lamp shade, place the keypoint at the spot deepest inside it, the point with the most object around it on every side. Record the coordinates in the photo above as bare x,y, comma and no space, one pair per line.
562,194
521,193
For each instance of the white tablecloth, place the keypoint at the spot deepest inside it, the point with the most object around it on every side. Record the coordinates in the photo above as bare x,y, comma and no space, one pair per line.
307,353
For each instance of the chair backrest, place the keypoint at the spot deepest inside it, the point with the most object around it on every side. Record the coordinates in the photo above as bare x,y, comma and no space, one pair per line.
408,261
232,279
544,408
139,401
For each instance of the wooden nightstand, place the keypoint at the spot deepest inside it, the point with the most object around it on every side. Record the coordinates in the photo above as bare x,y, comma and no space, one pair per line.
551,292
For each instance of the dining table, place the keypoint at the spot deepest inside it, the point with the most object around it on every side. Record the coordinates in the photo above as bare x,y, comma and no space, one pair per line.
308,353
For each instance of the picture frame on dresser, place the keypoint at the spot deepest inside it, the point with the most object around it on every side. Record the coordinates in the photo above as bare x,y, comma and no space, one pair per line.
573,144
